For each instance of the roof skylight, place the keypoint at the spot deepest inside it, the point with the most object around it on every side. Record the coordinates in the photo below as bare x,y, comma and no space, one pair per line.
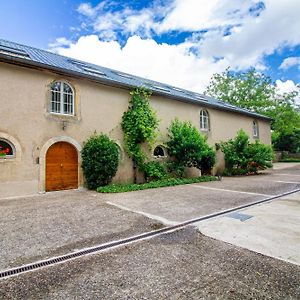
14,52
124,75
161,88
177,89
88,68
200,97
93,71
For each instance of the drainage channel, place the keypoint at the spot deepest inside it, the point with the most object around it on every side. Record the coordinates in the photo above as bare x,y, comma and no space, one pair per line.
102,247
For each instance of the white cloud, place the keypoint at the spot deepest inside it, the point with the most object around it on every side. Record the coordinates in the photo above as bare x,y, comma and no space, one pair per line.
234,35
276,27
195,15
288,86
60,42
252,30
172,64
86,9
290,62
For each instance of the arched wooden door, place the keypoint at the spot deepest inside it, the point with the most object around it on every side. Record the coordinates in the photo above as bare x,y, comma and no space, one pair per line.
61,167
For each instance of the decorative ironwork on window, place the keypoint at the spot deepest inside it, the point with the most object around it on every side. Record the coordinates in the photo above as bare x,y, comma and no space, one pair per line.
62,98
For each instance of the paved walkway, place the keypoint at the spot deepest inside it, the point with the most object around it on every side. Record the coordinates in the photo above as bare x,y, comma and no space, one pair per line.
181,265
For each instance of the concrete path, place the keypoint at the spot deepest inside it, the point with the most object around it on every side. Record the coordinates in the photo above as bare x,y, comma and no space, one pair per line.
176,204
272,228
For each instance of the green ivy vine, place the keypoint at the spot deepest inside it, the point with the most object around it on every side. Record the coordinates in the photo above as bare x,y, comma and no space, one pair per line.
139,125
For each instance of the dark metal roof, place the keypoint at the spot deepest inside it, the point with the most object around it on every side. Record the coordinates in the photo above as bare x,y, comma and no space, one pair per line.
26,55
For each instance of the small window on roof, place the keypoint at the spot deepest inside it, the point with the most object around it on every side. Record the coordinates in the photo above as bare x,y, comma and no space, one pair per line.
7,150
161,88
255,129
123,75
159,151
204,120
94,71
62,98
13,52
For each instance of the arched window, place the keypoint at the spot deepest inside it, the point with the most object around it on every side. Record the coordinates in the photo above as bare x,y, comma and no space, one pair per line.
62,98
120,153
159,152
255,129
7,150
204,120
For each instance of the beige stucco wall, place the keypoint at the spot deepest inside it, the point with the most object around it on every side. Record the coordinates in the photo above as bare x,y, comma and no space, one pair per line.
24,102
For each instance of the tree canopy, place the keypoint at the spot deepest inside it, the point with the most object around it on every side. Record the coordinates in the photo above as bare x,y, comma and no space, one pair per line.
255,91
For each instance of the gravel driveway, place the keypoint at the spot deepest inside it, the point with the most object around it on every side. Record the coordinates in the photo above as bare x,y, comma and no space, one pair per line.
180,265
35,228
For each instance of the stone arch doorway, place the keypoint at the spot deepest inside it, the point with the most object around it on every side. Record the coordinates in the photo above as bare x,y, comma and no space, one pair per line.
61,167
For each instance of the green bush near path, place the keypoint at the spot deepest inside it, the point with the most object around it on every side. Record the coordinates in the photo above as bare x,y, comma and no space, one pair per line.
100,159
121,188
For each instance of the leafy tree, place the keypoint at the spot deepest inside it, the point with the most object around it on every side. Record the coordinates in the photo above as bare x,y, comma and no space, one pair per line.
100,159
287,141
250,90
254,91
189,147
241,156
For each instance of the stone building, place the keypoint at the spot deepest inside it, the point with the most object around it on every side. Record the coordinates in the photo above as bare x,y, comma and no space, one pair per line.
51,104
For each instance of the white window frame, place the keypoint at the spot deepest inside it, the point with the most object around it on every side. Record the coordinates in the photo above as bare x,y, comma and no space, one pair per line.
204,120
255,130
163,149
61,98
12,147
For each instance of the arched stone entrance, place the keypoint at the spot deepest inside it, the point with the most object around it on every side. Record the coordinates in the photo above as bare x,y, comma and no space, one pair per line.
61,167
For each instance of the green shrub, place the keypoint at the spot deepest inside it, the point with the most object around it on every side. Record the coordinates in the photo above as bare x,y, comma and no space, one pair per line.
287,141
100,159
154,170
175,169
259,156
207,161
188,147
242,157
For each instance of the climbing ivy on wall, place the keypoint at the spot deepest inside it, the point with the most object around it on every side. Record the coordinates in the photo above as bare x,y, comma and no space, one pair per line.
139,124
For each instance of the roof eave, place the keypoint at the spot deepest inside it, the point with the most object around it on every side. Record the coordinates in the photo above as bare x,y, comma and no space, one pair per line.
110,82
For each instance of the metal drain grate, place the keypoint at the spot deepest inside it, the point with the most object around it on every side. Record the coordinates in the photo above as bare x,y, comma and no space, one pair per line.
140,237
239,216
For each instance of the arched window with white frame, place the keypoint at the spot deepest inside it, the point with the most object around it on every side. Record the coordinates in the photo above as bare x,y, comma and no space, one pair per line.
255,129
62,98
204,120
159,152
7,149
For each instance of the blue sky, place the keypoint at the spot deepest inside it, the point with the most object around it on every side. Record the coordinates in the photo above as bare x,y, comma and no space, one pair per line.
181,42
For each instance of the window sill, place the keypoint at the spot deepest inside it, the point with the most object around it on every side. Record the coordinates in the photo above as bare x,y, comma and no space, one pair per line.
7,159
61,117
